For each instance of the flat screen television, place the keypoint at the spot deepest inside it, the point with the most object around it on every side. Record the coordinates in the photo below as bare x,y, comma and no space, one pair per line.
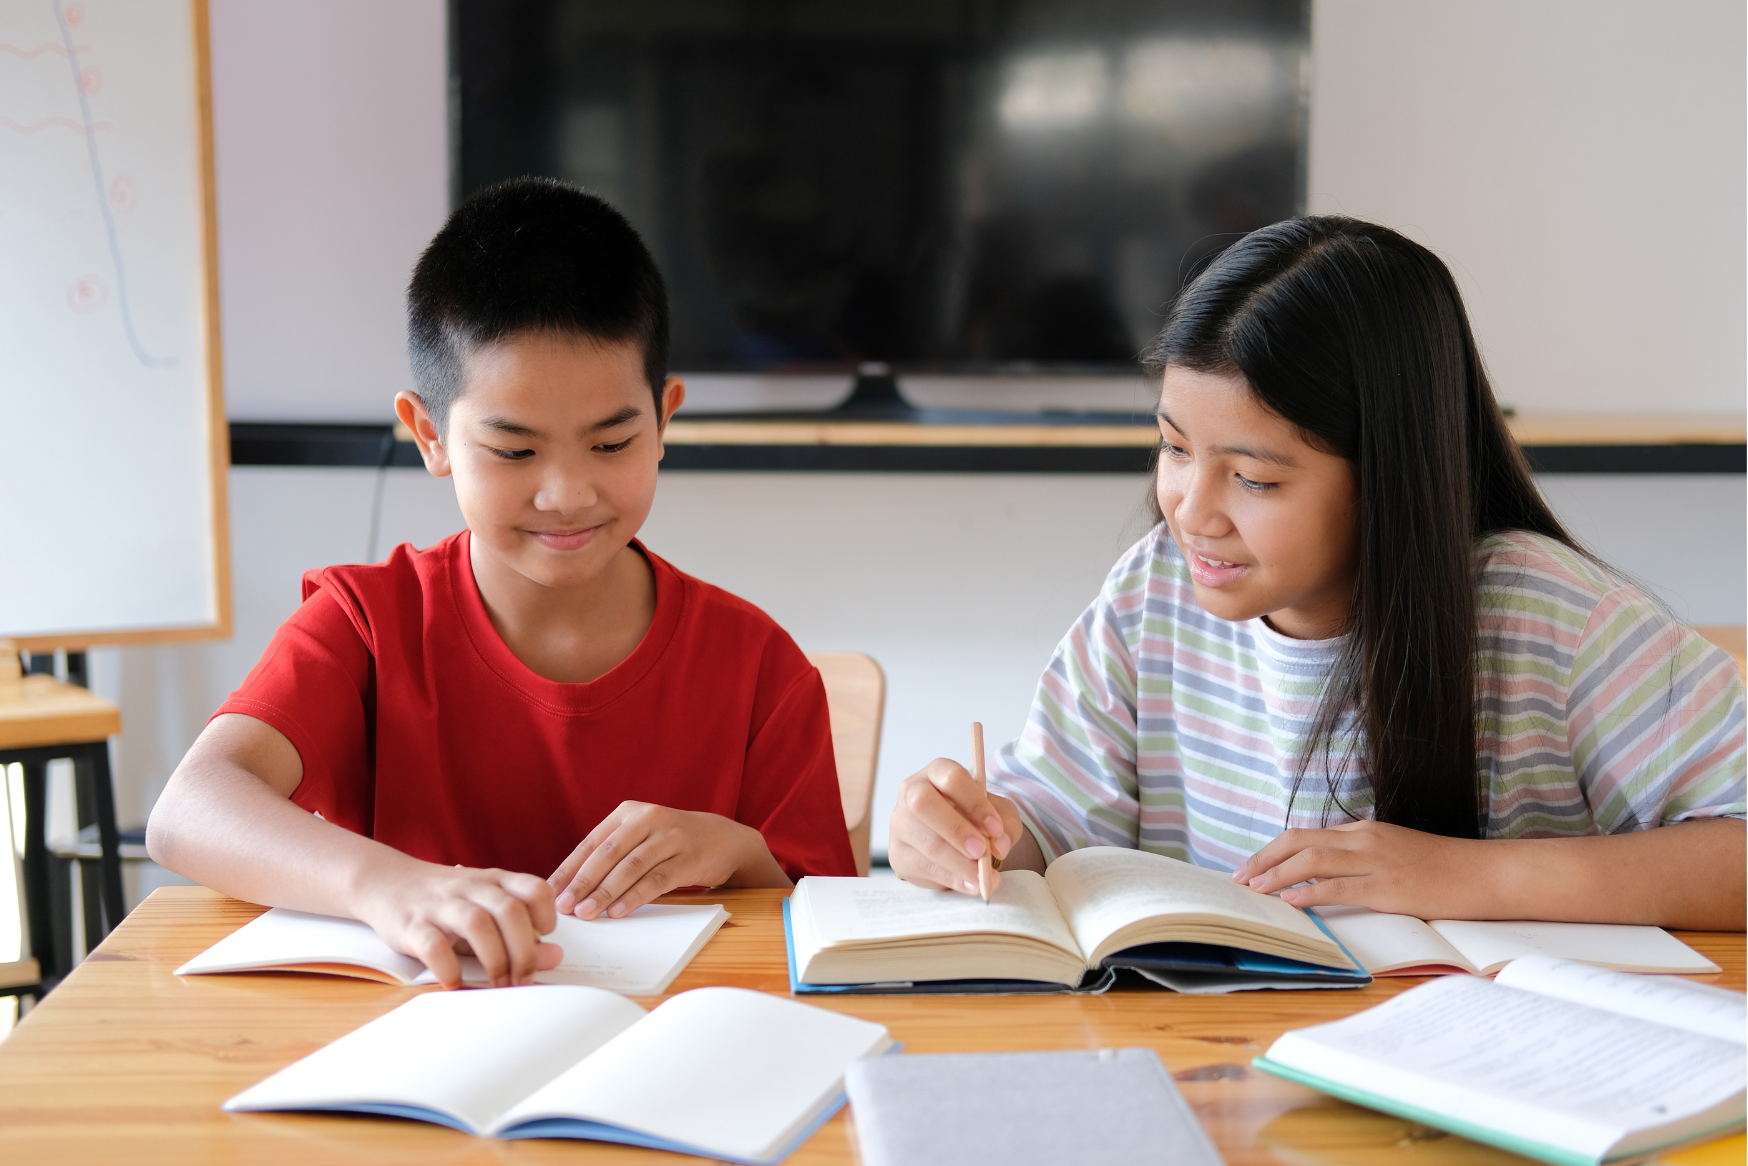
944,188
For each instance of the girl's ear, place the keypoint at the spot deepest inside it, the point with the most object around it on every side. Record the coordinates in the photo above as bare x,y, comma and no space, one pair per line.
410,408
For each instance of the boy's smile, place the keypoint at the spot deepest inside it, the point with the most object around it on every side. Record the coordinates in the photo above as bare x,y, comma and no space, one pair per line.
553,443
1265,520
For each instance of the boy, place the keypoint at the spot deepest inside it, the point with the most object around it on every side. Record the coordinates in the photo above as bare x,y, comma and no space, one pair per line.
537,692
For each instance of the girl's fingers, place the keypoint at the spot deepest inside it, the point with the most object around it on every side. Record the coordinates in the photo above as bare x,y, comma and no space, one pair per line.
1313,862
548,956
968,800
1328,893
919,870
1282,847
933,811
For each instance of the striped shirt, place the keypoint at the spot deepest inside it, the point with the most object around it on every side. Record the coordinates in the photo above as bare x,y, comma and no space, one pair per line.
1161,727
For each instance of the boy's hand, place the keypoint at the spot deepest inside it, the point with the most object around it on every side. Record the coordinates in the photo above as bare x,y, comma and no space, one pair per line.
1371,864
943,824
432,912
640,851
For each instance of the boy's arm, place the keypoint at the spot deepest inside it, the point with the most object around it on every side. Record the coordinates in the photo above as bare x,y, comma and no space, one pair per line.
226,820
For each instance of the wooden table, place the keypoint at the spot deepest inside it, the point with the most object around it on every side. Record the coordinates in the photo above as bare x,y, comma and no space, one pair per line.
125,1063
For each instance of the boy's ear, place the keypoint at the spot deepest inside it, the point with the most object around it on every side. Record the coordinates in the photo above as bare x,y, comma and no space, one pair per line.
673,396
410,408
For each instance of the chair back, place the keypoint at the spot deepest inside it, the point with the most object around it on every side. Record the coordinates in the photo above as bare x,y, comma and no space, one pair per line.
855,693
1732,639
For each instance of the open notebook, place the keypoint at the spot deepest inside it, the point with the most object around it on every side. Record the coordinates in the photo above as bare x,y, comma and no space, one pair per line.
638,955
1561,1061
1401,945
720,1072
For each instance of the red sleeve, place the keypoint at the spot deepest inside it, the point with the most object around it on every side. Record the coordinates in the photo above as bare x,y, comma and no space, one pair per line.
789,789
312,684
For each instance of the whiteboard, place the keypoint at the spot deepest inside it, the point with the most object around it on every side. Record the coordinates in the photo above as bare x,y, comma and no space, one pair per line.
113,445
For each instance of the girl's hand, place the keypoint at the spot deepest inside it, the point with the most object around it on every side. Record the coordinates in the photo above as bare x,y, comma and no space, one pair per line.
641,850
943,824
433,912
1370,864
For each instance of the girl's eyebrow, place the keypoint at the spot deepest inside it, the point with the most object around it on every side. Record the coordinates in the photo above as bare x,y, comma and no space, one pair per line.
1257,454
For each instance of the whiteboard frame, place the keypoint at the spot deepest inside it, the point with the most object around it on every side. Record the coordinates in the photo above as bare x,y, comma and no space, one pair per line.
219,434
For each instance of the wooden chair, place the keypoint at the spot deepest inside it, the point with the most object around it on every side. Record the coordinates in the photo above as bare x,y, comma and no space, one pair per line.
42,720
1732,639
855,693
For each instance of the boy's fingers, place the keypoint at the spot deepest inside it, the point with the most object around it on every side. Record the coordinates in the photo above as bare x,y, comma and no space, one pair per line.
515,930
566,874
637,865
535,894
479,927
658,881
548,956
436,951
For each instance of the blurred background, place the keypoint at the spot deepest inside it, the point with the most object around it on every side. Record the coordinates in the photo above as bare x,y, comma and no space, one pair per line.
994,200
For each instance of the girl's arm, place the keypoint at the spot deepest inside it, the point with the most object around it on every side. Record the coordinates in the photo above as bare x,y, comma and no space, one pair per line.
1682,875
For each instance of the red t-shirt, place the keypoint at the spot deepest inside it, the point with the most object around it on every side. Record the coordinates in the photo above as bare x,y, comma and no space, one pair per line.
420,728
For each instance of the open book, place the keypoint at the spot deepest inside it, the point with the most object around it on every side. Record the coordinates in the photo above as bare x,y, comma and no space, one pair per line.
1561,1061
1401,945
720,1072
638,955
1096,909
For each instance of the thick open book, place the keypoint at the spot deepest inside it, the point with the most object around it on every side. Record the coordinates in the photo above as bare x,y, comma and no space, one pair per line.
1561,1061
720,1072
1095,910
1401,945
638,955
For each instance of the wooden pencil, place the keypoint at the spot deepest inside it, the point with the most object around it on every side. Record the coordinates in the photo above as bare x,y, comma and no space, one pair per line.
985,865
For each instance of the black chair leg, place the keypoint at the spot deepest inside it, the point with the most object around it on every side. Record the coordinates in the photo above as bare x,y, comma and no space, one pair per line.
38,873
96,795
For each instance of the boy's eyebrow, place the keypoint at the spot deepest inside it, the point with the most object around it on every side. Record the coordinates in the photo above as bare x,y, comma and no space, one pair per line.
1261,455
629,413
505,425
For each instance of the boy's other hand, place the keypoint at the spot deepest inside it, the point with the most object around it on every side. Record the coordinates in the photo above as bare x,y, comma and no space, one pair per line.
640,851
943,823
435,912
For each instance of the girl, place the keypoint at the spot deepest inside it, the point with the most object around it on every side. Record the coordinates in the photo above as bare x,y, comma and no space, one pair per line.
1359,660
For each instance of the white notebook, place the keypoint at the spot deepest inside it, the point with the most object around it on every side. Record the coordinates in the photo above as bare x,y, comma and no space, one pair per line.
721,1072
1401,945
638,955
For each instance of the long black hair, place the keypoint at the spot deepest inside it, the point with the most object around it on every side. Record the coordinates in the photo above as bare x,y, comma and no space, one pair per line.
1357,336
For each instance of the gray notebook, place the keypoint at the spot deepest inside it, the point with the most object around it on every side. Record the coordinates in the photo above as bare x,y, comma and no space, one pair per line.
1023,1109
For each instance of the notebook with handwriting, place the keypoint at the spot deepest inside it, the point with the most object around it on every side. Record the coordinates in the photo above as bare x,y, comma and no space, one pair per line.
638,955
1560,1061
1401,945
721,1072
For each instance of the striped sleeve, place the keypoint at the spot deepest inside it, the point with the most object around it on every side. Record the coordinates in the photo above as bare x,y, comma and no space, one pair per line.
1072,772
1655,719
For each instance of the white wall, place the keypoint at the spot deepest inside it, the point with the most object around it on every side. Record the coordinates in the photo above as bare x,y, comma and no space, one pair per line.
331,148
960,585
1579,163
331,178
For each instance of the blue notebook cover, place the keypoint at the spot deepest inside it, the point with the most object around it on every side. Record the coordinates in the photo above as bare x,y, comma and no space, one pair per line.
1184,961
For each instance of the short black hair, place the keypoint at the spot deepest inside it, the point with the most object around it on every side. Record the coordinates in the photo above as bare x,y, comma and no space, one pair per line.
531,255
